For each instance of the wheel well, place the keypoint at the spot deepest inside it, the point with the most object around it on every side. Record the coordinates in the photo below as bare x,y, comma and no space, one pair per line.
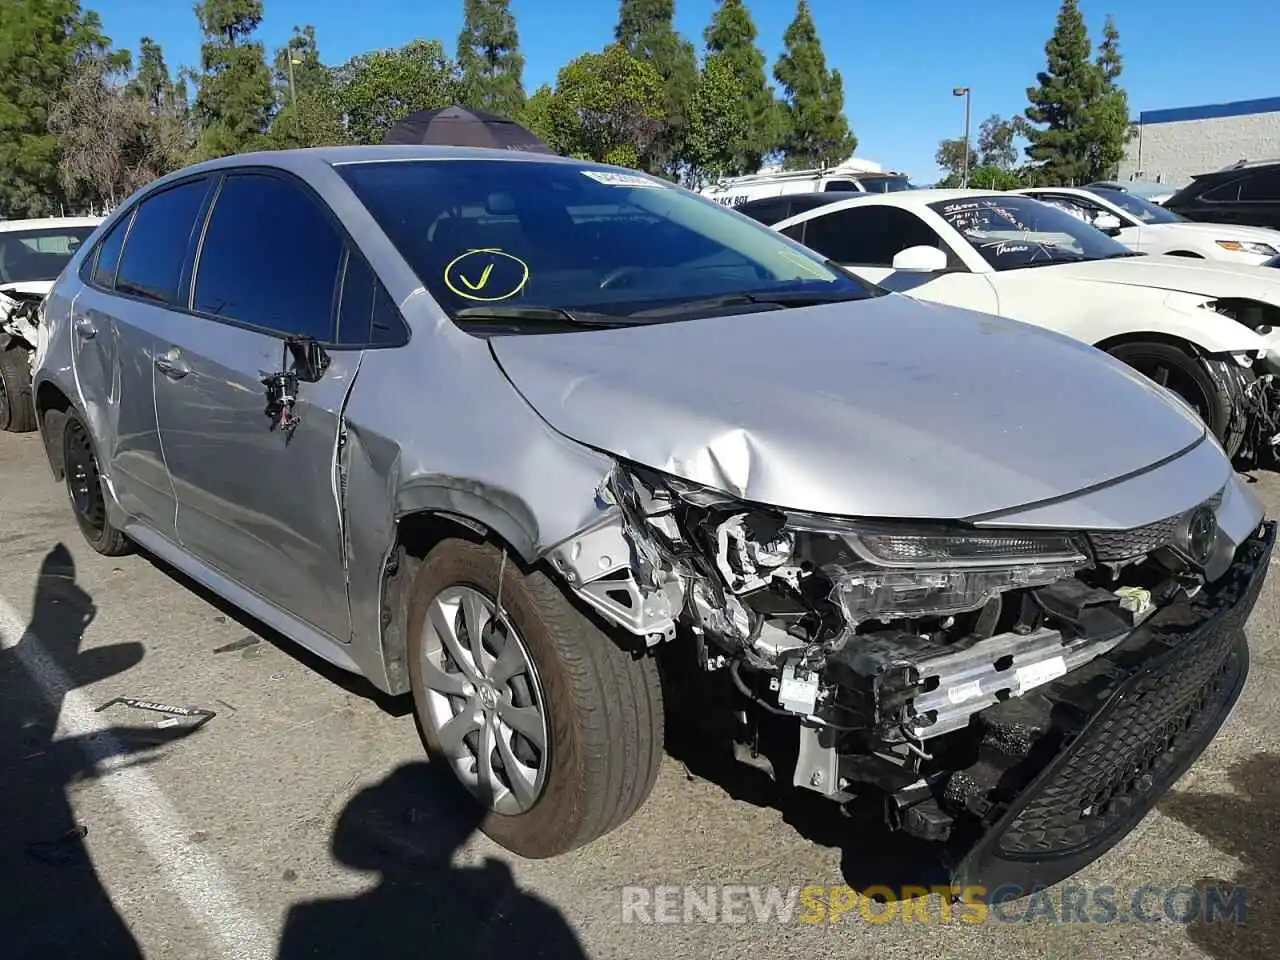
52,407
416,535
1152,337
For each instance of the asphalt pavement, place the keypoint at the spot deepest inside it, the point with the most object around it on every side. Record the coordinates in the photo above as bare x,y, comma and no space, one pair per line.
301,820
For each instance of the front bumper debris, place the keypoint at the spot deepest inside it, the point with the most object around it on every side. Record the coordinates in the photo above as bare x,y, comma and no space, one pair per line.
1127,726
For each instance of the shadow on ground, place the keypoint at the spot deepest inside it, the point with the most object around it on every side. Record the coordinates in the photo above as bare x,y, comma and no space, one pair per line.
53,903
405,831
1244,825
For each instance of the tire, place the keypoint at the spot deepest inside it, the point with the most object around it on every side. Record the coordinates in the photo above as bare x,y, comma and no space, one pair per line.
17,411
601,705
1203,382
85,490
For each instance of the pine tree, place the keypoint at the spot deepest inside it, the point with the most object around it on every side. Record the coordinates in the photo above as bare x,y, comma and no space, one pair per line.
1108,122
235,98
731,38
1069,88
816,132
490,59
646,30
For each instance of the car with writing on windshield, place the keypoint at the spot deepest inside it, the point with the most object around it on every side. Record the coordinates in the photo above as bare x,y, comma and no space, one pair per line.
575,457
1207,331
1149,228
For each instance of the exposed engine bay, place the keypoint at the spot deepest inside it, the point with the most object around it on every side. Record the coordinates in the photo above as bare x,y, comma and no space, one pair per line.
898,648
19,317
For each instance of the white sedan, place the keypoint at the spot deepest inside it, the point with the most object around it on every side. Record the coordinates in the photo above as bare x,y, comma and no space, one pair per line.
1203,330
1143,226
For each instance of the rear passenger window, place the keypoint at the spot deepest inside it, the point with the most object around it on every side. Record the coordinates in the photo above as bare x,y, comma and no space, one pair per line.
270,259
108,259
152,263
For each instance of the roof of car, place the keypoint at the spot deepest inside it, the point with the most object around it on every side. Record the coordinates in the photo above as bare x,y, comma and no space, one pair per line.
901,198
48,223
306,158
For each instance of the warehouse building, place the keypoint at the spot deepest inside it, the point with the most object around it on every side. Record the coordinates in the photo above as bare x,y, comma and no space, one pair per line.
1173,145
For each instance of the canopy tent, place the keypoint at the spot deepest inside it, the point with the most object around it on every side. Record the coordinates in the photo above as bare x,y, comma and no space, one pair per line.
461,127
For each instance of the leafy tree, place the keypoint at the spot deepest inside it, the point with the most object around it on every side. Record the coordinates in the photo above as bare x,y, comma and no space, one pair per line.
490,59
308,114
166,103
235,99
995,143
816,132
607,107
41,42
731,38
535,114
1108,126
112,141
719,126
647,31
374,90
950,157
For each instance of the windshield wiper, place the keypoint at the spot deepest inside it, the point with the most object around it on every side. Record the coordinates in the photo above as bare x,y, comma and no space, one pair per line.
781,299
578,318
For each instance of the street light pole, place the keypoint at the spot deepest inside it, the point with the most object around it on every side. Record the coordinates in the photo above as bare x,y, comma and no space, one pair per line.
293,94
964,92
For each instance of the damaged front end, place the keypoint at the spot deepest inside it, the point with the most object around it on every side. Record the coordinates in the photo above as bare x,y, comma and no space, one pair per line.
20,319
978,680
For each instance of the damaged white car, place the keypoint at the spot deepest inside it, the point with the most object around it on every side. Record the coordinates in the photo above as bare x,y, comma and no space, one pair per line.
509,431
1195,327
32,254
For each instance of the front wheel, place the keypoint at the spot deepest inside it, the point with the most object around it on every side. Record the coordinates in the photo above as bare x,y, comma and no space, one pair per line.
553,727
1205,383
17,412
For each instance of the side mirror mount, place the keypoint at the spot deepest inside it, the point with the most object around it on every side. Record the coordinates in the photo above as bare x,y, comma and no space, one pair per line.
1108,223
310,360
920,259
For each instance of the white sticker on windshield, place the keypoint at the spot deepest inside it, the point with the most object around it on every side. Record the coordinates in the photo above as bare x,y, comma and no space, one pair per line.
612,179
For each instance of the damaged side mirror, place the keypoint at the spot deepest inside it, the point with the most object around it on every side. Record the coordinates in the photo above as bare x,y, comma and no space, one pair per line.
310,359
304,361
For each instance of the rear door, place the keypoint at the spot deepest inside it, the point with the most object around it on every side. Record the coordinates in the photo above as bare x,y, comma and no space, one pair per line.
259,499
133,283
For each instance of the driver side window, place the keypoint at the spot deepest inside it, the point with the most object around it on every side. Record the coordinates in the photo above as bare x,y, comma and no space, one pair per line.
871,236
1078,207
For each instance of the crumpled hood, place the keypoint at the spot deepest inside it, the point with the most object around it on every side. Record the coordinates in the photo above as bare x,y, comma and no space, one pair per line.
1205,278
886,407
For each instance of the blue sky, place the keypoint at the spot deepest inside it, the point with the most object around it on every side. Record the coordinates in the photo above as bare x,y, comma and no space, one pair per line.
900,60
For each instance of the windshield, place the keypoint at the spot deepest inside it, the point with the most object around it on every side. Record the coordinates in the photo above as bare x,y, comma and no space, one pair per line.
1015,231
34,255
1144,210
887,184
504,235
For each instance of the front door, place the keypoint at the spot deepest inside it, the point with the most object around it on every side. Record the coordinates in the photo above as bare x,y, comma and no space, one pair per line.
258,499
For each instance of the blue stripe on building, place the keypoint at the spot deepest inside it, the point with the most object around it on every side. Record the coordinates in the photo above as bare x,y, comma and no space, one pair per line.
1238,108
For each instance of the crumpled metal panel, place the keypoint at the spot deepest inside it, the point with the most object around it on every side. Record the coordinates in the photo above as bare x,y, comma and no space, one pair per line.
887,407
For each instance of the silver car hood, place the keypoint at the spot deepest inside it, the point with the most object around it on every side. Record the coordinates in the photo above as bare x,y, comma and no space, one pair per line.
886,407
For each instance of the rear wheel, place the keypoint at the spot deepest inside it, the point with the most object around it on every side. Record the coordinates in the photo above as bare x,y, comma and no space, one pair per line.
554,729
17,412
1205,383
85,488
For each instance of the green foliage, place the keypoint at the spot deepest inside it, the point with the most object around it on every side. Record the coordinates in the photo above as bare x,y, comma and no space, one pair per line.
607,107
719,123
235,98
308,113
816,132
987,177
646,30
374,90
535,114
41,41
950,157
1080,114
731,40
995,143
489,58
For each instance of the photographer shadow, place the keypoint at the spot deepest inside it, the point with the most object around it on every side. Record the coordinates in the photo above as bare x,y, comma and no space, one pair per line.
54,903
406,829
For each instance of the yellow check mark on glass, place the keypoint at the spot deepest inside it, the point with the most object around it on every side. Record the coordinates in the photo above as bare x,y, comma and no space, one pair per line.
484,278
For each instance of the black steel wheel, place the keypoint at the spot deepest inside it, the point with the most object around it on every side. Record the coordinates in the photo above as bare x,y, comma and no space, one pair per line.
85,488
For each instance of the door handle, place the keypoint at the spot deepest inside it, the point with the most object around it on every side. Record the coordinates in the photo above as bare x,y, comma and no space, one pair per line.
85,328
172,365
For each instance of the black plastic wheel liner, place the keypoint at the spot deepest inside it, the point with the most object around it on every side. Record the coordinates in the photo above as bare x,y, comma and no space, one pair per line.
1145,735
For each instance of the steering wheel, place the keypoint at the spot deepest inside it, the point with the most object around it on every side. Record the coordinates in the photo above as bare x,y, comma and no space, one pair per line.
607,282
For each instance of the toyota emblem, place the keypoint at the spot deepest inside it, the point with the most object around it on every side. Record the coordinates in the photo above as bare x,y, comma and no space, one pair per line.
1202,531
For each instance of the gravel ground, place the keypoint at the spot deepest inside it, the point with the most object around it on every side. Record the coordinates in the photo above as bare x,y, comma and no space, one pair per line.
301,820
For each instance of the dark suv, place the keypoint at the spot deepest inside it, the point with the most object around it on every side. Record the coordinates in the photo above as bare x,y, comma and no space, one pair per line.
1247,193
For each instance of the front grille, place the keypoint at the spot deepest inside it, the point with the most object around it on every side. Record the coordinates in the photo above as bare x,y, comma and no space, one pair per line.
1164,695
1114,546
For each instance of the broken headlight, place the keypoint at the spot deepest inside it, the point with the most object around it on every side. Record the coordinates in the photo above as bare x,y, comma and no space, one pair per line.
883,571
